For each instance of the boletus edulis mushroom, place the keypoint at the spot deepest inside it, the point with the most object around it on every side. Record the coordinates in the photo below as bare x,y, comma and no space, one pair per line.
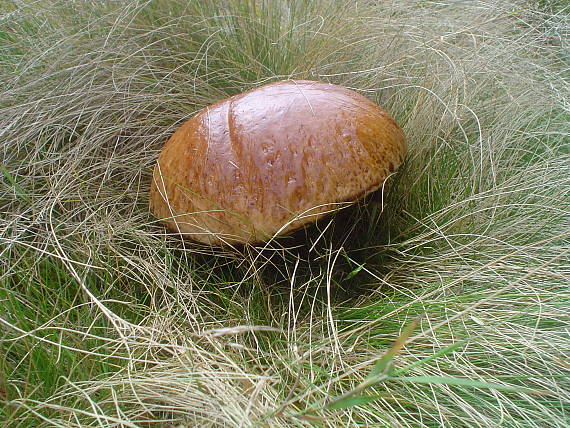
271,160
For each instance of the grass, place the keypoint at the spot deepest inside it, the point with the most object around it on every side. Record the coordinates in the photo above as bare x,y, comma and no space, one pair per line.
444,304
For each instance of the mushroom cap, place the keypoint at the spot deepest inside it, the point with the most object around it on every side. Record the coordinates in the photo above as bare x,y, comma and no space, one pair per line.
271,160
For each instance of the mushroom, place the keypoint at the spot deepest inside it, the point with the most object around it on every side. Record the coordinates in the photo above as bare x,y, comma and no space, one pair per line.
271,160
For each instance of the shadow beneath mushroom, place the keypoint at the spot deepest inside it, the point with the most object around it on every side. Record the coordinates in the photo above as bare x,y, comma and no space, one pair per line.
335,248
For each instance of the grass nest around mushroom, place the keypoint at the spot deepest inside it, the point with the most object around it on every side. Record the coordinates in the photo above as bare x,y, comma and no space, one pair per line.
442,300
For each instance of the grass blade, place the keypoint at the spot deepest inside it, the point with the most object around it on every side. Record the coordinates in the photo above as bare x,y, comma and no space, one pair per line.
354,401
383,365
447,350
470,383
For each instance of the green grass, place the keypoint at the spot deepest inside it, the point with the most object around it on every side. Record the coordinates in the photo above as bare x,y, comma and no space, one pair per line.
445,306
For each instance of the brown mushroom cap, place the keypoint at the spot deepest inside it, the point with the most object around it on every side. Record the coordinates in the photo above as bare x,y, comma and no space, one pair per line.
271,160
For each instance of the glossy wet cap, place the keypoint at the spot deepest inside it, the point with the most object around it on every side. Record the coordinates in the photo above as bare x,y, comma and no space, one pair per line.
271,160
